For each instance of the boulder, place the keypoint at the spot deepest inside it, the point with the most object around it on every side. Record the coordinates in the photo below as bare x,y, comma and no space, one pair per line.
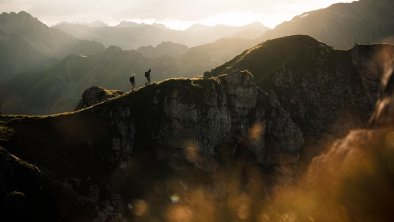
95,95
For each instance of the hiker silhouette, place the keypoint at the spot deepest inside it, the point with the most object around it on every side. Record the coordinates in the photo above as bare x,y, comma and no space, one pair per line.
132,81
147,75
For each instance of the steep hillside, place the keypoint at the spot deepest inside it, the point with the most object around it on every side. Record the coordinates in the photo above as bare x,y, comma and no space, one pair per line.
18,55
343,25
26,44
129,35
321,88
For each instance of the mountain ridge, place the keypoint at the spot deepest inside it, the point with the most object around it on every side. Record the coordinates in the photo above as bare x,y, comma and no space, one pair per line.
28,44
131,35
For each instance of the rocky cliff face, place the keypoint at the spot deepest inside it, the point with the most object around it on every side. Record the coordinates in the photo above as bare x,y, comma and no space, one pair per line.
175,124
202,114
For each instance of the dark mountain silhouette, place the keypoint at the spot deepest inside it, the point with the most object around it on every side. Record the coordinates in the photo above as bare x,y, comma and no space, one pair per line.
26,44
343,25
129,35
232,136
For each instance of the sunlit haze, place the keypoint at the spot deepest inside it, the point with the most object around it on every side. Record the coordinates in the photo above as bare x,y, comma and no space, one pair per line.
174,14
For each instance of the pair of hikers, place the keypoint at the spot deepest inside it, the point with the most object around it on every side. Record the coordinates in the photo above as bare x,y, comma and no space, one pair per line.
132,79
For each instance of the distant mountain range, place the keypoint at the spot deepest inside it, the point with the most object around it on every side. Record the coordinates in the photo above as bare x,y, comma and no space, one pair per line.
58,88
343,25
26,44
130,35
163,49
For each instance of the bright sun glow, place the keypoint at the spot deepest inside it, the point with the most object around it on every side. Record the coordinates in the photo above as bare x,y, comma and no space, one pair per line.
232,18
238,18
172,13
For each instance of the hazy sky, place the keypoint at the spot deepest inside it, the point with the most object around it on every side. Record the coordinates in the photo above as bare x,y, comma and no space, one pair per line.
173,13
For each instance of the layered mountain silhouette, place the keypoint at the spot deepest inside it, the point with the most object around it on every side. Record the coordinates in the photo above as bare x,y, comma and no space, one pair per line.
26,44
343,25
163,49
57,89
129,35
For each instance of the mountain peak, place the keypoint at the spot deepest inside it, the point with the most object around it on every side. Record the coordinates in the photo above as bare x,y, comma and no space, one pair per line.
24,13
128,24
21,22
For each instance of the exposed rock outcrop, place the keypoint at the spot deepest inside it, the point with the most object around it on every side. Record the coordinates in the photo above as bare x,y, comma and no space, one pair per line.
225,110
95,95
201,114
